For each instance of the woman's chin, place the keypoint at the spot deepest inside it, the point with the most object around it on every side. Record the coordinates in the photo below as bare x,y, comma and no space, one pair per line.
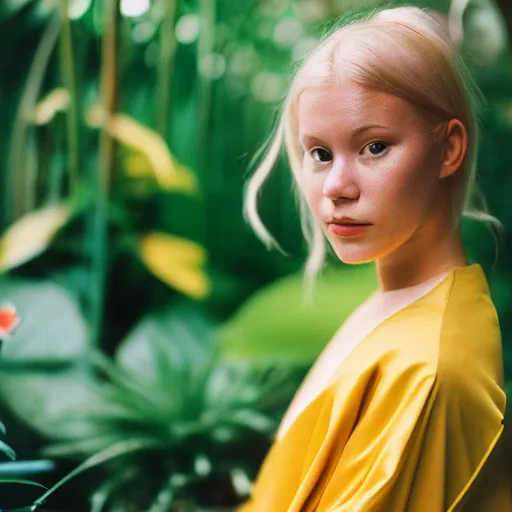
354,255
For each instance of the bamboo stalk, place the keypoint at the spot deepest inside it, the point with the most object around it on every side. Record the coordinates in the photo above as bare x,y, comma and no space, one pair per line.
205,46
109,88
67,66
104,179
166,68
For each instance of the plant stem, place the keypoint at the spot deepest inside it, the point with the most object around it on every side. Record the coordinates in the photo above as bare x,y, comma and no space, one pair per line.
67,66
99,236
20,198
166,68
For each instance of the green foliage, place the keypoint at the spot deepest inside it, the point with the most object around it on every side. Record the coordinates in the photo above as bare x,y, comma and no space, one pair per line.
8,469
4,447
280,323
168,417
7,450
125,154
52,335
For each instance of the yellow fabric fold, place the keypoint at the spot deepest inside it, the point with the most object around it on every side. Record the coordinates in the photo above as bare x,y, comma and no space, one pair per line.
410,420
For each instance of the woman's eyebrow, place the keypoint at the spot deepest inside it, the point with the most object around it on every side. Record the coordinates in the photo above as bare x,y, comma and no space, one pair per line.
305,138
367,127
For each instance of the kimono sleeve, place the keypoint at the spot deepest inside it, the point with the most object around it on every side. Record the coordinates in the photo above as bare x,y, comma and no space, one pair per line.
372,472
416,444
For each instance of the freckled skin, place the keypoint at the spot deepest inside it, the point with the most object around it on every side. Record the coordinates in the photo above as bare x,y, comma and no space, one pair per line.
396,184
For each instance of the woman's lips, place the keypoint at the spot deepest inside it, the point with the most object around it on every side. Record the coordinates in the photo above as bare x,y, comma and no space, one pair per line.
346,229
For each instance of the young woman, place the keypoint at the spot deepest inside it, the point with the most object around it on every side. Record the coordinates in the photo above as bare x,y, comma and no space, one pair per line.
404,409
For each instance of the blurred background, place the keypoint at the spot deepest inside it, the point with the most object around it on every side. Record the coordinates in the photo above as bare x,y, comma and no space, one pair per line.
160,342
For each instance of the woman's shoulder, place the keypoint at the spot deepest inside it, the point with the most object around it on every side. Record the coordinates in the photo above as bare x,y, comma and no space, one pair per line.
446,344
453,329
470,335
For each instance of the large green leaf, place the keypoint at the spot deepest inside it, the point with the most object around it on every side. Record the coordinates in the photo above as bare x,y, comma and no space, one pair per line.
52,331
280,324
171,350
169,339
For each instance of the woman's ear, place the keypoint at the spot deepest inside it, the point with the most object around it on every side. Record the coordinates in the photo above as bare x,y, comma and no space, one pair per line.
456,145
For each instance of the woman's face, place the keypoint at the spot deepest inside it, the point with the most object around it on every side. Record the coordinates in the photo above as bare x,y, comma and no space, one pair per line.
368,156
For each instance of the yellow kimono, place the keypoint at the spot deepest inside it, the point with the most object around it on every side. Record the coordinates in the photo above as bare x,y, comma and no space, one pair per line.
412,420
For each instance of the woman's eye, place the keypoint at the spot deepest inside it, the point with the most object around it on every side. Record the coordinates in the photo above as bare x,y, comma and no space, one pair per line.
321,155
377,148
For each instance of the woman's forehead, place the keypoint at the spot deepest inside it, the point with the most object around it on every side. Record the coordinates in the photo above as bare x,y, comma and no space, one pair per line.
347,103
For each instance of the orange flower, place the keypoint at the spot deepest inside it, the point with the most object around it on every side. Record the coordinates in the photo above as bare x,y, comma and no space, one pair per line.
8,320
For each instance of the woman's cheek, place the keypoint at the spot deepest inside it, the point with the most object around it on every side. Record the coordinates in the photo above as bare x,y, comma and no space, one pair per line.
311,185
314,197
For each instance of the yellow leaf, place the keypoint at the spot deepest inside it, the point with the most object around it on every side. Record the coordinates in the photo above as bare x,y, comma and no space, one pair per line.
177,262
137,166
150,145
56,101
30,235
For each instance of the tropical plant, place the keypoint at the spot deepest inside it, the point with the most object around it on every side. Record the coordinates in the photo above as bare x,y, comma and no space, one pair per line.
167,419
91,190
128,138
9,471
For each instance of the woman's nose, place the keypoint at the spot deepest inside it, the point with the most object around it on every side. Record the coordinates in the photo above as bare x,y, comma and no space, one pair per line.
340,183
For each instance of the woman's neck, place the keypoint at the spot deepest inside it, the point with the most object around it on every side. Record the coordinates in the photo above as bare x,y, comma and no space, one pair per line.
409,269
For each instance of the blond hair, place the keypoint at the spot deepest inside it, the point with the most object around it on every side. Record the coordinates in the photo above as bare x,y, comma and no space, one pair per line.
404,51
